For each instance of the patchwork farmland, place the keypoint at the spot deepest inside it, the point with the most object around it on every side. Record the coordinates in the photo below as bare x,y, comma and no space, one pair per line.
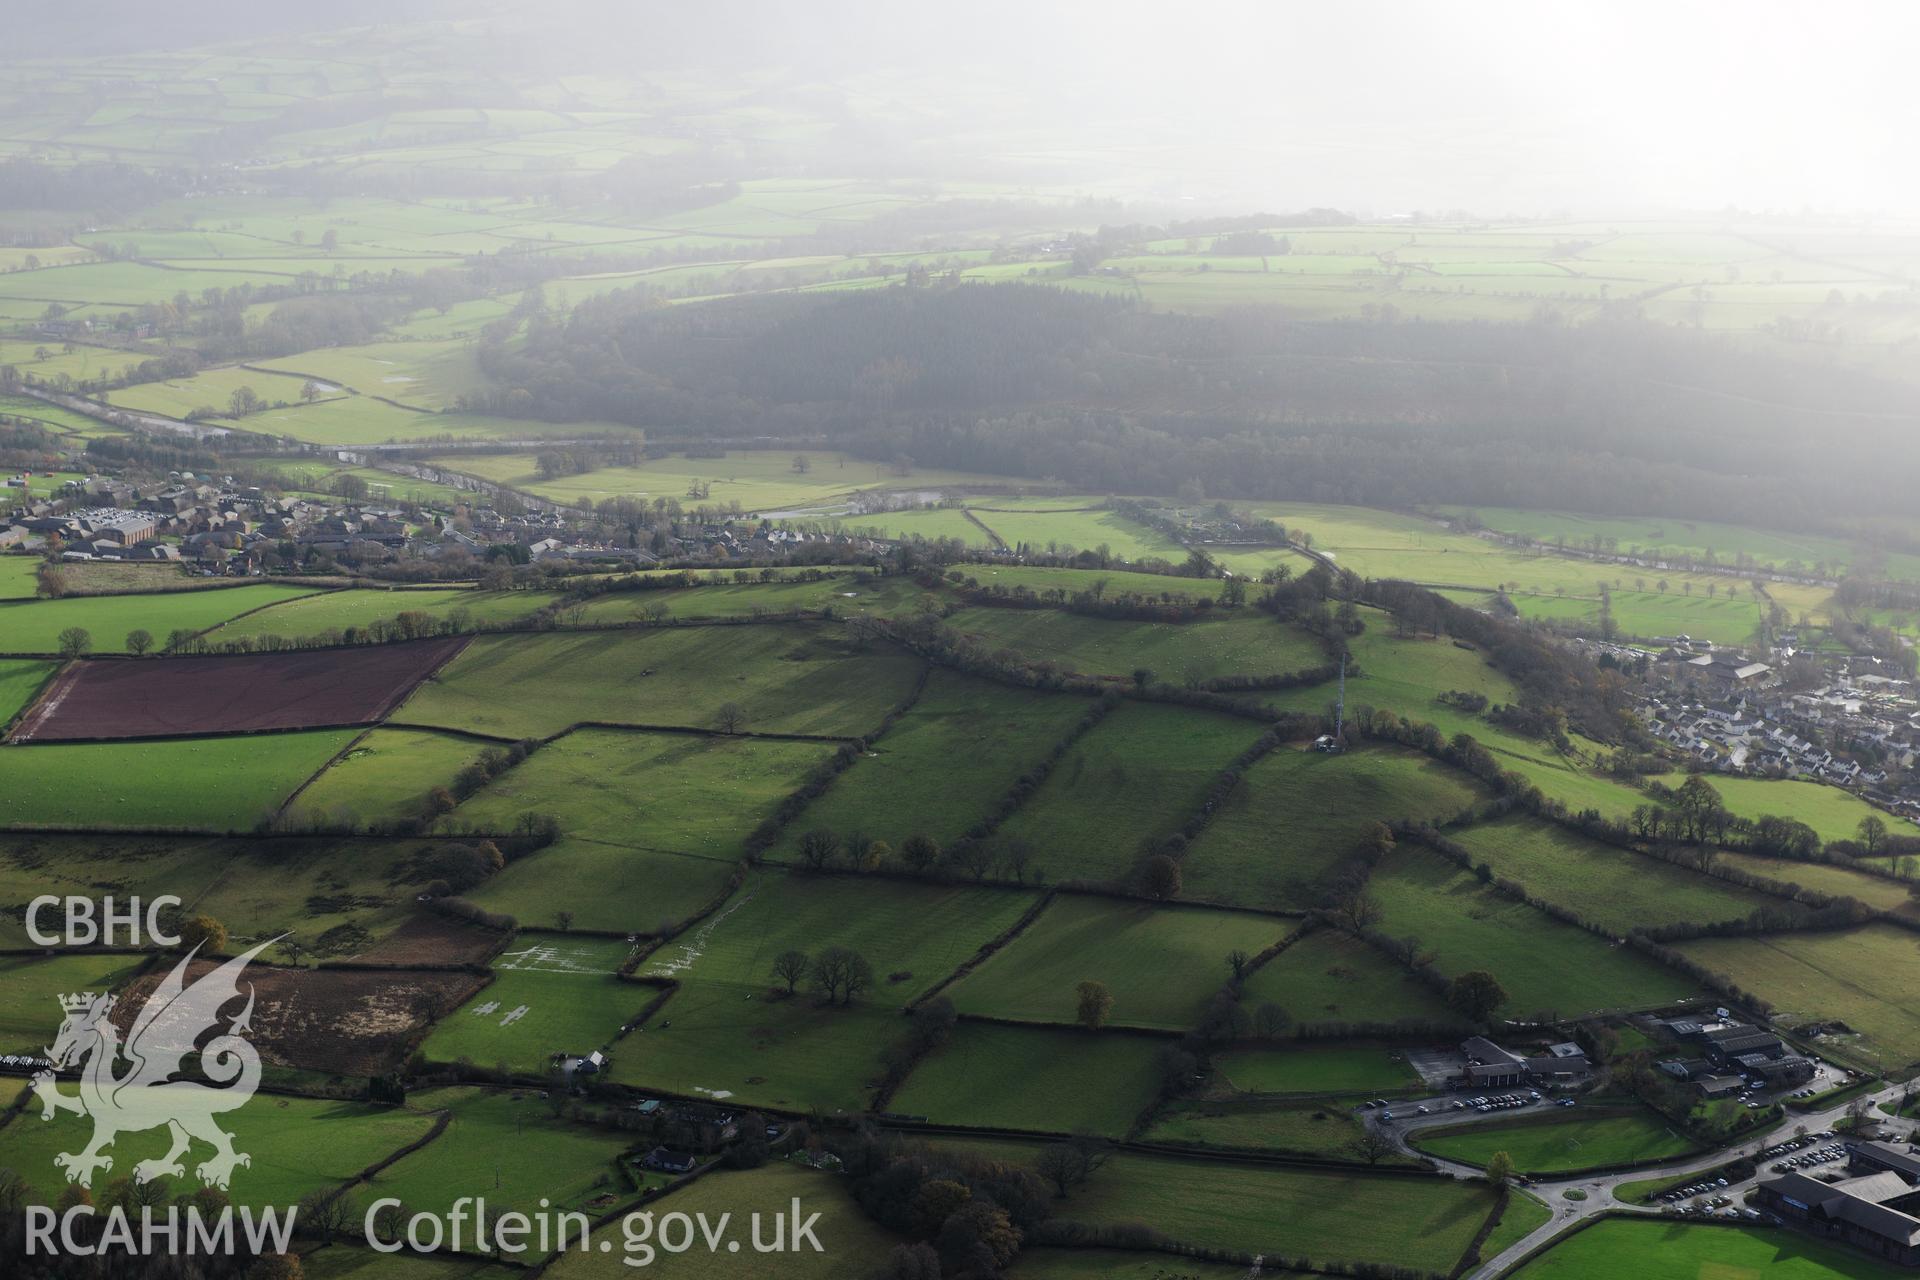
858,648
805,865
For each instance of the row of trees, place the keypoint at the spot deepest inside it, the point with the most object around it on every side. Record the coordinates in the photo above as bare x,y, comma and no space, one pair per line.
840,974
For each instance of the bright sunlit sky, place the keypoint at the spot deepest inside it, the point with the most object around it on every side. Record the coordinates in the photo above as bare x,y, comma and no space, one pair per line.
1495,105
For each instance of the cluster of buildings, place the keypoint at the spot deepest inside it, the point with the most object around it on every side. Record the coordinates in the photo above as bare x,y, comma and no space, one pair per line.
1491,1066
1859,728
1725,1058
215,525
1874,1206
237,529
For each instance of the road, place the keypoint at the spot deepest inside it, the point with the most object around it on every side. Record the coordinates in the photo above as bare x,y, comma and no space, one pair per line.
1600,1190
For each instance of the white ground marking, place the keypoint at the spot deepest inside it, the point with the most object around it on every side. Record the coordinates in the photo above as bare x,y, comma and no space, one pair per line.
691,950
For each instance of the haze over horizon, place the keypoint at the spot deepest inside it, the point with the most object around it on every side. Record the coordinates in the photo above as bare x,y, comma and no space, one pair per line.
1377,107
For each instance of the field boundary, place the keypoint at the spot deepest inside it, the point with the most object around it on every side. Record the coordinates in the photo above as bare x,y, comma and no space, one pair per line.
442,1119
332,760
986,951
992,537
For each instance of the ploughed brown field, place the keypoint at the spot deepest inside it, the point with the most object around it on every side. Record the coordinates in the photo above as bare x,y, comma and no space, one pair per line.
244,693
349,1021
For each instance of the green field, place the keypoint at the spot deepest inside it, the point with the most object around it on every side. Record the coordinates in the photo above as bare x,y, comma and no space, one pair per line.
1140,773
1834,814
386,776
645,843
1162,964
1404,1221
510,1148
344,421
758,481
1324,1129
297,1145
1826,877
907,783
1332,977
1860,977
31,987
549,995
20,682
720,1041
1619,890
35,627
424,374
1298,814
209,389
1409,677
1316,1069
786,679
1654,1250
605,886
196,784
850,1243
664,792
1523,1217
887,921
1386,544
931,523
1043,1079
1586,1139
1543,964
71,426
1064,532
718,598
319,615
1661,538
1243,643
19,578
1725,617
731,1032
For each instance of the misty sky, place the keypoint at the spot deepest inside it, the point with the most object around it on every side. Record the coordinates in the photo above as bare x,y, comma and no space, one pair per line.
1495,105
1381,106
1517,107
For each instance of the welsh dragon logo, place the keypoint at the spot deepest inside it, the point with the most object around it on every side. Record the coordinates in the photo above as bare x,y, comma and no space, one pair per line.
131,1087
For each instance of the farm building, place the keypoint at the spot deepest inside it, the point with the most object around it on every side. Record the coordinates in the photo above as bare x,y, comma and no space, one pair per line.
1686,1068
1719,1086
1788,1072
574,1066
1489,1065
664,1160
1875,1210
1725,668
